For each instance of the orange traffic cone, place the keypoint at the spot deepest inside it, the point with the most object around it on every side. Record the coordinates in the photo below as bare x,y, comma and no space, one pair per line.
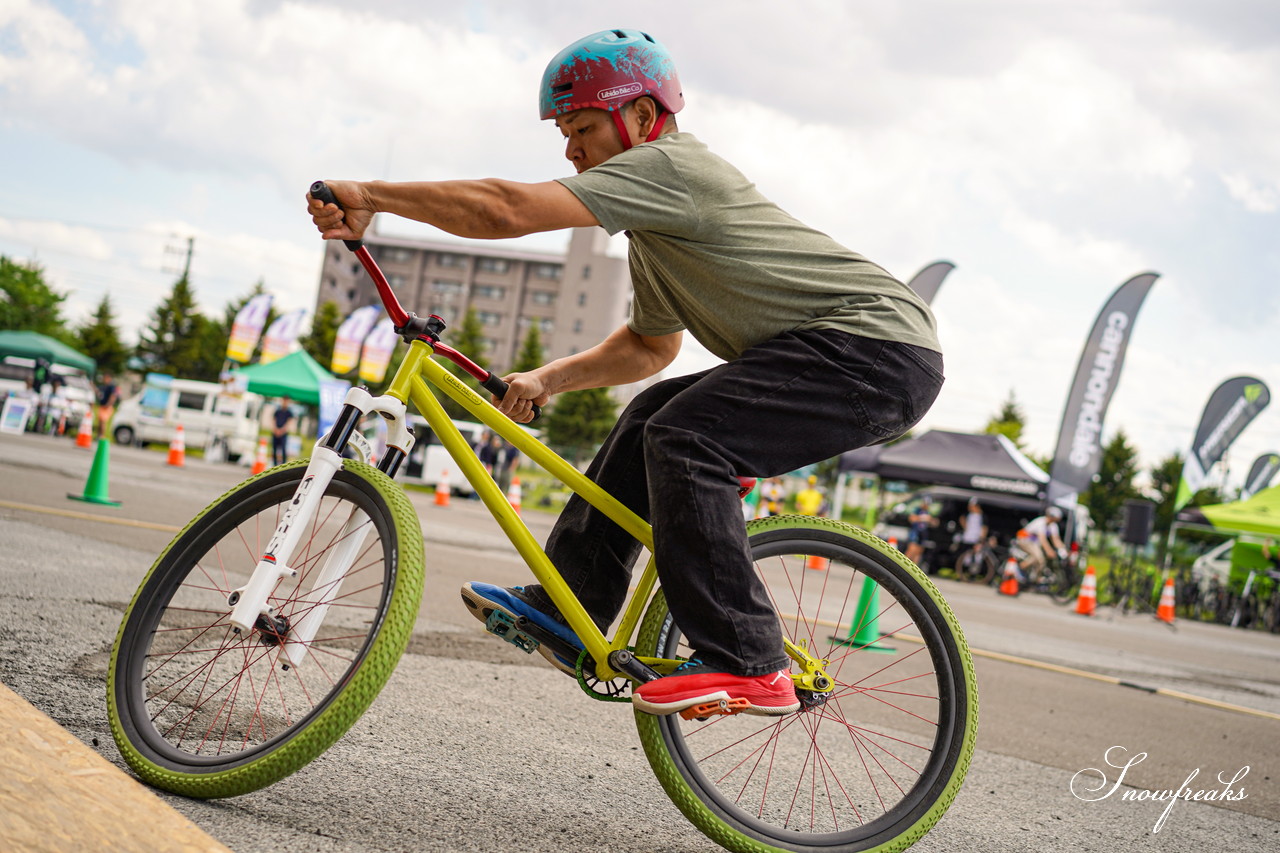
178,448
1087,602
514,495
1165,611
818,564
84,438
893,542
1009,586
442,489
260,458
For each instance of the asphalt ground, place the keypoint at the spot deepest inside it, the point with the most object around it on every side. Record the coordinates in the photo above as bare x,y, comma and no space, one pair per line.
475,746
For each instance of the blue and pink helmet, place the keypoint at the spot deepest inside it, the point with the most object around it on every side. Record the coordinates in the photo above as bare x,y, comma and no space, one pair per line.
608,70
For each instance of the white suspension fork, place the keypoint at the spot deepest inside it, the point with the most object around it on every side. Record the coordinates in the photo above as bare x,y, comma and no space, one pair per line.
327,586
250,601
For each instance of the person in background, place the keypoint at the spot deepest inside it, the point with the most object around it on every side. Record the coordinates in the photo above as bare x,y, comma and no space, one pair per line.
809,500
918,524
108,395
283,423
772,495
973,536
1042,541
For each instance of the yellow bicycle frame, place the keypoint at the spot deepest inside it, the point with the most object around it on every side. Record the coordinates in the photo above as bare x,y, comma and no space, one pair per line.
410,384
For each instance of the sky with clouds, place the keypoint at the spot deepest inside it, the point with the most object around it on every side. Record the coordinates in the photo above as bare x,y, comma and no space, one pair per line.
1049,149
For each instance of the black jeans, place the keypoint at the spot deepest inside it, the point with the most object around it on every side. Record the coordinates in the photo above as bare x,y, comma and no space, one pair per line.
674,458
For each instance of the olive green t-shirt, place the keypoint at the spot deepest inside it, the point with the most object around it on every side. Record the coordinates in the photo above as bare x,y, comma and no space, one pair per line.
710,254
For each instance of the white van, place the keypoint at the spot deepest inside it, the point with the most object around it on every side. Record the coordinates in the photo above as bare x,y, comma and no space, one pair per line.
428,459
205,410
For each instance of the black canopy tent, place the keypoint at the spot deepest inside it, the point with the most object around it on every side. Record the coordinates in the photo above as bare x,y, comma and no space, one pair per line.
984,463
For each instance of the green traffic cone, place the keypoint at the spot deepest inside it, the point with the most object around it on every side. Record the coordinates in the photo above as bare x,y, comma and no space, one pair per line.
95,488
864,630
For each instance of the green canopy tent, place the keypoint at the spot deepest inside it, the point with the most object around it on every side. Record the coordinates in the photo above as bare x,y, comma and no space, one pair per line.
297,376
36,346
1258,514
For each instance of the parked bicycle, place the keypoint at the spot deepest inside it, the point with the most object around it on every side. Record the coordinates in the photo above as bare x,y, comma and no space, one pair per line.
270,623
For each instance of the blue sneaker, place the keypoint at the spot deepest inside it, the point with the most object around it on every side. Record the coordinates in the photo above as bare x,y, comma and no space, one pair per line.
484,598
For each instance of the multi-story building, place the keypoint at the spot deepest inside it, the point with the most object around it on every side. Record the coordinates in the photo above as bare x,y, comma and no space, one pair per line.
576,298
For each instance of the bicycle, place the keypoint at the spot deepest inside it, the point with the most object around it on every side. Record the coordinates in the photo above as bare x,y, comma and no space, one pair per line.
270,623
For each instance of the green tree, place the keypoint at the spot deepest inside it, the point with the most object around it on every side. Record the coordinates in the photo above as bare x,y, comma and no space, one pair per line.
1106,495
324,330
1009,421
99,338
29,303
170,343
1164,488
531,353
579,420
206,359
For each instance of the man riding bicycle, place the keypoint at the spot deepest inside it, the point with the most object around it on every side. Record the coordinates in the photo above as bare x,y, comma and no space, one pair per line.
824,352
1041,543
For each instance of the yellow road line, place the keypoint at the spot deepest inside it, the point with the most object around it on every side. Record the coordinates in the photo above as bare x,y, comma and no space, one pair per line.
85,516
1092,676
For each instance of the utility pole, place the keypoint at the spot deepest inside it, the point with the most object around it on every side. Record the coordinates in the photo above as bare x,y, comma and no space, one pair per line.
186,264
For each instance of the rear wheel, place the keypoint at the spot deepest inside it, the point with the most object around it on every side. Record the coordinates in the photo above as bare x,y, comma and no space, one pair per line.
872,764
201,710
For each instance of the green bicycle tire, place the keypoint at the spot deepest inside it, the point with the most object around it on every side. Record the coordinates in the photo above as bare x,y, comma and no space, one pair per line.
713,812
388,626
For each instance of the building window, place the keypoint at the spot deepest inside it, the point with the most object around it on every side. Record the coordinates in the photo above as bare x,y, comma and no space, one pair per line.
489,344
489,318
444,312
551,271
333,283
351,294
582,299
488,291
542,297
445,287
547,325
396,281
493,264
586,272
397,255
446,259
577,327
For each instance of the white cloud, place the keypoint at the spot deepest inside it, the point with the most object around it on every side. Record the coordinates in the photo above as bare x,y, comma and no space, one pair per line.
1050,150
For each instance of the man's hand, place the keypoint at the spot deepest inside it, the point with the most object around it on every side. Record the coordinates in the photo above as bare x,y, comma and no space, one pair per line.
347,222
524,390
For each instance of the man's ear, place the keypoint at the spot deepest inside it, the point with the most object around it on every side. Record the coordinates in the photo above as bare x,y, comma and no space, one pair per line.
646,113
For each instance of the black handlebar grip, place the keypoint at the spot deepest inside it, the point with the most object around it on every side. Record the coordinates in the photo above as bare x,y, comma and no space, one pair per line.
320,190
495,386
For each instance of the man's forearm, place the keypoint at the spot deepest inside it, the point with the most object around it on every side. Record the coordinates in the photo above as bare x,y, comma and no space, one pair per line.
485,209
619,359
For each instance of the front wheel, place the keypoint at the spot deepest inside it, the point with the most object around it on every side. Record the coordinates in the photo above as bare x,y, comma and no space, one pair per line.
201,710
870,765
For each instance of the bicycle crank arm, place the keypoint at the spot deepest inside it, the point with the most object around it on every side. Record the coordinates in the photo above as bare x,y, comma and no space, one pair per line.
812,676
250,601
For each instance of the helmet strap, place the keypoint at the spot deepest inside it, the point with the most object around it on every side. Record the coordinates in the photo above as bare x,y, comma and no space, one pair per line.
654,133
622,128
658,125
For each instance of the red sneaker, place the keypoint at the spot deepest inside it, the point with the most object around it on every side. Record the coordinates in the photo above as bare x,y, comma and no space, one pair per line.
695,684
